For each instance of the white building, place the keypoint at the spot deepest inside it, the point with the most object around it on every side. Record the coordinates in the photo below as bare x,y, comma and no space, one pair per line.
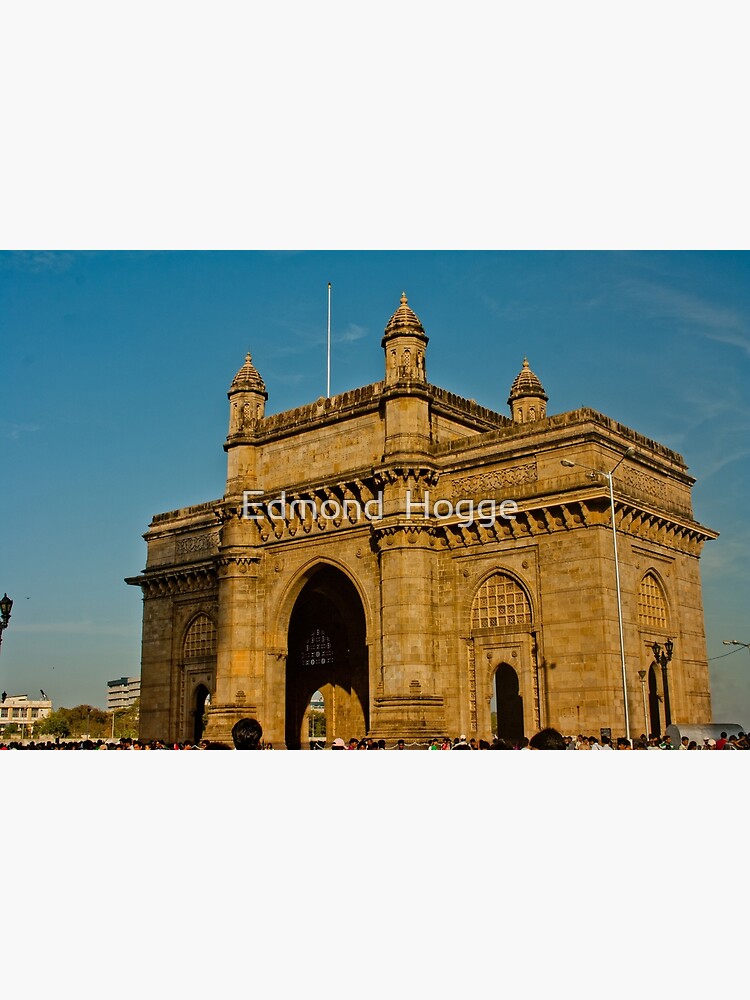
123,692
23,711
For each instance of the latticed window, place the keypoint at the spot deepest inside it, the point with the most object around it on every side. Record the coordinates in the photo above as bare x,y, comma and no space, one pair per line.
652,607
500,601
318,649
201,638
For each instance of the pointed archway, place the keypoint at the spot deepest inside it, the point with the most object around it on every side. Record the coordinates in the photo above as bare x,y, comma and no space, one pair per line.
509,704
653,702
201,696
327,654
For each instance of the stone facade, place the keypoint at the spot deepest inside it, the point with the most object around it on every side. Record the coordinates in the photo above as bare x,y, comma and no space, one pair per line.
357,567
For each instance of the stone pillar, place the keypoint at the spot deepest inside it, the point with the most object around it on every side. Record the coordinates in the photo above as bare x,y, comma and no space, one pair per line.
240,644
408,705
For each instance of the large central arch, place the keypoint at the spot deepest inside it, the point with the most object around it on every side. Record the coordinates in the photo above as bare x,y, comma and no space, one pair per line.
327,652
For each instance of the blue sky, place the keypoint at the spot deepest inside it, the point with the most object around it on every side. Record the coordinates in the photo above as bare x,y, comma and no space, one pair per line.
113,405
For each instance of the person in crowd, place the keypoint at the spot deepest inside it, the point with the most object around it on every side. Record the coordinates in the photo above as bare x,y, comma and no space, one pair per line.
547,739
247,734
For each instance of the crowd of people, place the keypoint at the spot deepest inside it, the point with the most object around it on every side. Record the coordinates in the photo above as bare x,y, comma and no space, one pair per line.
247,734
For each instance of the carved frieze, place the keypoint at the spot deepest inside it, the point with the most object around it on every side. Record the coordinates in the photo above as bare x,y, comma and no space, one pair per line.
488,484
206,542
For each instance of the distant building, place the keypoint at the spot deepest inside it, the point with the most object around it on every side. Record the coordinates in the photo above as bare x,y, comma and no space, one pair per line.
22,711
123,692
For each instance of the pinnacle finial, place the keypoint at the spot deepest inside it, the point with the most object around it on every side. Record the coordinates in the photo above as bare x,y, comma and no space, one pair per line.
404,299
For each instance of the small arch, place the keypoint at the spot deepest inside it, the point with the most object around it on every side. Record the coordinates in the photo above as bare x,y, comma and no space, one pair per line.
653,702
201,697
509,703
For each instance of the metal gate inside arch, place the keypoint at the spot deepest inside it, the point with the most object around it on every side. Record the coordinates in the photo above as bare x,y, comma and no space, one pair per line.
327,652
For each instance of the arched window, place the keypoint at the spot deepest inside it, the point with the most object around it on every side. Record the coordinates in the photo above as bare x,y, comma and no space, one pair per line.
652,605
500,601
200,639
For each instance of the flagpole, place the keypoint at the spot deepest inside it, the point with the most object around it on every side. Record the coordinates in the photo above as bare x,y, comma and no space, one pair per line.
328,384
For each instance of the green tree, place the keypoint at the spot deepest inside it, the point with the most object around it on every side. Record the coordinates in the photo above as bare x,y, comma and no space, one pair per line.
83,720
125,721
54,725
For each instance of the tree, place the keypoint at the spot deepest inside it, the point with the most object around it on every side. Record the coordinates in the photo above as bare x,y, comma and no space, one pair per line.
83,720
125,720
54,725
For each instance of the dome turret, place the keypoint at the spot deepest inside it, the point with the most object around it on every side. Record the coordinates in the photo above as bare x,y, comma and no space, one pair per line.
527,399
404,343
248,396
248,378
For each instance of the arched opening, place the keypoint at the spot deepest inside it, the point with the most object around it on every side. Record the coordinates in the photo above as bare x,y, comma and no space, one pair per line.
327,656
200,699
653,702
509,704
316,721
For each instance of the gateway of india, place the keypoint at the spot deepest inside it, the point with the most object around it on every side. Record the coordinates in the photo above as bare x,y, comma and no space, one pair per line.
356,554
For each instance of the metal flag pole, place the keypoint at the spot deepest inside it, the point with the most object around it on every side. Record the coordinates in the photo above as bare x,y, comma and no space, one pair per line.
328,383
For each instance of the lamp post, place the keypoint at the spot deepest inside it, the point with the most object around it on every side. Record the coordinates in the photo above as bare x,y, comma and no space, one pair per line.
6,604
642,675
608,476
733,642
663,658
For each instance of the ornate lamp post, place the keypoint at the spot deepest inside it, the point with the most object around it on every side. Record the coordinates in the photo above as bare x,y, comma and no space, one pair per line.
663,658
5,608
608,477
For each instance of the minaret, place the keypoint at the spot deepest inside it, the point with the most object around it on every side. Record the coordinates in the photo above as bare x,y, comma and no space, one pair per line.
247,403
527,398
404,343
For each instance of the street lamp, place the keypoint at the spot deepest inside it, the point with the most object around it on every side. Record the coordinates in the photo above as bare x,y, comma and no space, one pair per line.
5,608
664,657
733,642
608,477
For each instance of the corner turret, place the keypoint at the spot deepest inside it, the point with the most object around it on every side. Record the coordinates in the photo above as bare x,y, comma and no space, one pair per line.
527,399
404,343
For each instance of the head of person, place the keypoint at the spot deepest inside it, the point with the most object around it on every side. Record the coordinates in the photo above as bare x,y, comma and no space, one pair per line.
338,744
246,734
501,744
547,739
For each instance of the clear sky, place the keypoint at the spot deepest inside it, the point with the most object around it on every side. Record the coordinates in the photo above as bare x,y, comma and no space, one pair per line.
113,407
